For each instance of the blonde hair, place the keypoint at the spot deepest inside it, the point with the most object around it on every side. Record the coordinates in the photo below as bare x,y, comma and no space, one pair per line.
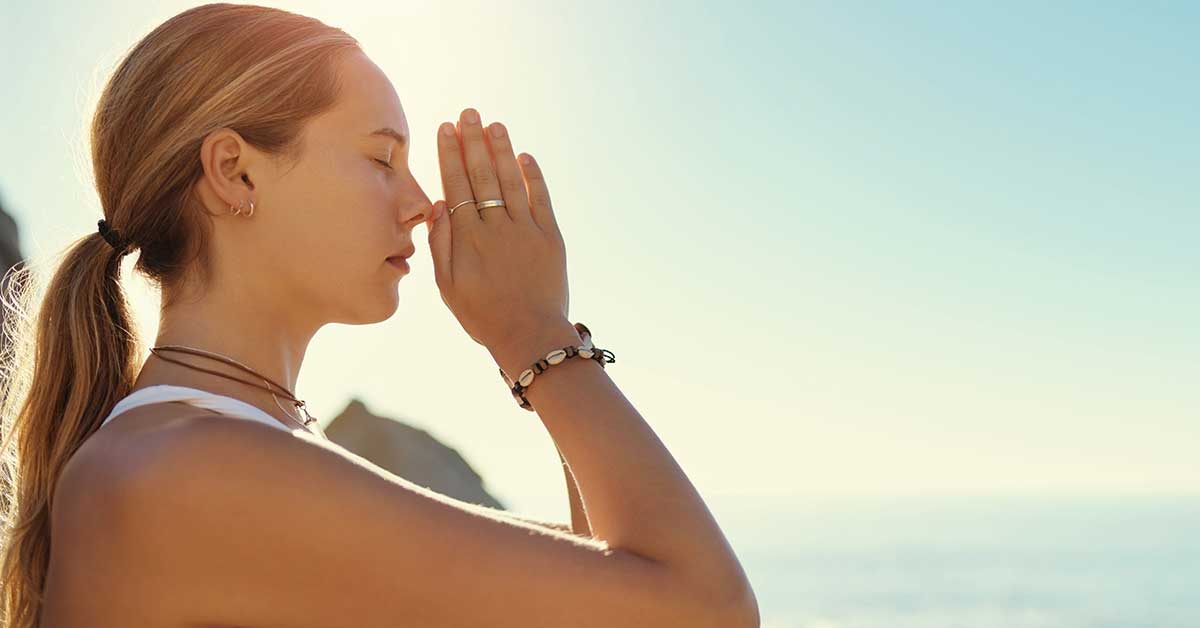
260,71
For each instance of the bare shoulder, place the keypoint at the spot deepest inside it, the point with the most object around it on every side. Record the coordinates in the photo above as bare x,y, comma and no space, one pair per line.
99,463
88,582
252,525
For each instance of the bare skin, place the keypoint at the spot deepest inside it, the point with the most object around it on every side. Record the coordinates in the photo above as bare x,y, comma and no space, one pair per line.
169,516
90,586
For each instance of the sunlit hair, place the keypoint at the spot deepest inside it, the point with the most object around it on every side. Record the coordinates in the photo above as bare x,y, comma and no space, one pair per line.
70,350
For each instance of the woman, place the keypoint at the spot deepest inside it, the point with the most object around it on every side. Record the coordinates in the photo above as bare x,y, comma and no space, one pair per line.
257,159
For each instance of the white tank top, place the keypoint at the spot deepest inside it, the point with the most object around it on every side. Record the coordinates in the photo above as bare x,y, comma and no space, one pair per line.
228,406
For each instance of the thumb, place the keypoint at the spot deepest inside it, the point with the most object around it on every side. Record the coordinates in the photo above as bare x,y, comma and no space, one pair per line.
439,243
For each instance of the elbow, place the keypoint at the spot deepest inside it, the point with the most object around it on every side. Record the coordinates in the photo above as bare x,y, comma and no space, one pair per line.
717,603
738,606
750,616
734,610
742,612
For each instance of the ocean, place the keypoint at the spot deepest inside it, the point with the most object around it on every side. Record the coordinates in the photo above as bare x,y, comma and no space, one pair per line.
969,562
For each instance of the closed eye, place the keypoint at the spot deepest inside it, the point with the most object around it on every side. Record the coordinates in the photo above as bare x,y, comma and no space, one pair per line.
388,165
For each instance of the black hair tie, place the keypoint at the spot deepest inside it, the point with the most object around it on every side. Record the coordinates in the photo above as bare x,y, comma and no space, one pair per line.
112,236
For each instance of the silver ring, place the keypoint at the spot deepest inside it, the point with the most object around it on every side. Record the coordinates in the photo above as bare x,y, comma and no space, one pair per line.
492,203
451,211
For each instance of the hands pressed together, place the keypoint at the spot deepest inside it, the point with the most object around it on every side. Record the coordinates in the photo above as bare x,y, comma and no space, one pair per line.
501,270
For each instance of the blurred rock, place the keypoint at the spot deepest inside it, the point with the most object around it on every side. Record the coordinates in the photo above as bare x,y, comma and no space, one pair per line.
408,452
10,241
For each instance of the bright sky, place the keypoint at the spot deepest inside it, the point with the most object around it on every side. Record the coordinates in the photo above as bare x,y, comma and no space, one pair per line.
838,248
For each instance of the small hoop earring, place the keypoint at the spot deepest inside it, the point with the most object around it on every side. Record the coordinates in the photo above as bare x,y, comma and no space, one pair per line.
238,211
251,209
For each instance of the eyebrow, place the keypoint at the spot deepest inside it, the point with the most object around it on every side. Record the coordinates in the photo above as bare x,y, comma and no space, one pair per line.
392,133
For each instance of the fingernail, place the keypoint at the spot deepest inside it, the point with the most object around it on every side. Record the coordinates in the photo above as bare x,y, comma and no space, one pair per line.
447,129
471,116
526,159
497,130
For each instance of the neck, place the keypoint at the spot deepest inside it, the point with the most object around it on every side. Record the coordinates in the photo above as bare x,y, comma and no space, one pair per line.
240,329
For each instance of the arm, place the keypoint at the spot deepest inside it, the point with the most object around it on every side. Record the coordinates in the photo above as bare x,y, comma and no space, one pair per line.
638,498
504,514
579,524
579,521
545,524
324,537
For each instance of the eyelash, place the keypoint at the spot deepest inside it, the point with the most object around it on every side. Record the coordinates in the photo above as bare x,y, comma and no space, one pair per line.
386,164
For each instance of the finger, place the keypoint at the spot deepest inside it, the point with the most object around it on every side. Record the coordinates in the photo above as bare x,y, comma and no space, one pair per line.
456,186
512,185
482,175
539,195
440,245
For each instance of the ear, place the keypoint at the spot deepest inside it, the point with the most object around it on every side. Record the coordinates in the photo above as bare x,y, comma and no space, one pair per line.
227,161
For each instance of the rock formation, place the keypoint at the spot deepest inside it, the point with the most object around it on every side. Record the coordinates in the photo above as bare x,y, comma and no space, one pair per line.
408,452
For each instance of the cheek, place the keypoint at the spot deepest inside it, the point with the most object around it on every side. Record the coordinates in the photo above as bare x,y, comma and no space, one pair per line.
341,221
334,190
305,206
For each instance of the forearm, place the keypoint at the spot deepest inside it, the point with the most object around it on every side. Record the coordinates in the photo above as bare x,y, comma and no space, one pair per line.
638,498
504,514
579,523
579,520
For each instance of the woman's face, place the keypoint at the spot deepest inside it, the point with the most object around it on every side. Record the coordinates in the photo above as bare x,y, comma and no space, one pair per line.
325,226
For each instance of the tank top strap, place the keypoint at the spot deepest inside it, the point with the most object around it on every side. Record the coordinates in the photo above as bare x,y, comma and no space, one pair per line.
224,404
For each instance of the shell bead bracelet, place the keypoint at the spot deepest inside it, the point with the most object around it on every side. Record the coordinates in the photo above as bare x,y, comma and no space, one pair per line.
585,351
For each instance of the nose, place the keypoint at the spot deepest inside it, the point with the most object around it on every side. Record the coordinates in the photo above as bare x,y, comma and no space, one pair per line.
418,207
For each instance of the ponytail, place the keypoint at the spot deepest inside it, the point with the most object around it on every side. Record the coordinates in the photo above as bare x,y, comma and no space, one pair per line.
65,366
258,70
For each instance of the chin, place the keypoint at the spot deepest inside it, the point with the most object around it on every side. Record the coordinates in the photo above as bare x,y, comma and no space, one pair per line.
371,309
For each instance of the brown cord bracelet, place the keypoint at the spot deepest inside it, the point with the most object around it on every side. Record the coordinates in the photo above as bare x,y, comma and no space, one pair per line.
558,356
